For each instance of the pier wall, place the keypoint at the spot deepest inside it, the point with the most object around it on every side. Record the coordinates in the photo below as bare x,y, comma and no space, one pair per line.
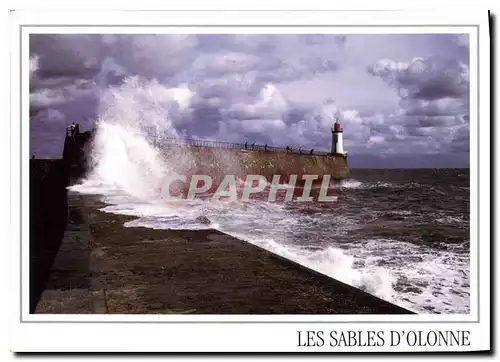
243,162
218,159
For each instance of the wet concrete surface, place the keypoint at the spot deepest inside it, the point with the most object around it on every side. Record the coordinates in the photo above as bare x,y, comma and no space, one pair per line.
104,267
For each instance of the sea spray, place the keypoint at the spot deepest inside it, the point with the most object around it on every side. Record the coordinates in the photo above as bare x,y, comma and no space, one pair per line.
135,118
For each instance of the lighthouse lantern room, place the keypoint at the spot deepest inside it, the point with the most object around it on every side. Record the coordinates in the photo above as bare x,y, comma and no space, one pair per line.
337,141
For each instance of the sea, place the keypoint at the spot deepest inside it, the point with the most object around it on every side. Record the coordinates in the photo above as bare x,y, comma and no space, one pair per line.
399,234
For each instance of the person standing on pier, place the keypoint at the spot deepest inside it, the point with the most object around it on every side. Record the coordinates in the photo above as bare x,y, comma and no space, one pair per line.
71,130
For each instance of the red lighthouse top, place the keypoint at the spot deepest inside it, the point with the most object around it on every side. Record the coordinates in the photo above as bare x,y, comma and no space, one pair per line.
336,126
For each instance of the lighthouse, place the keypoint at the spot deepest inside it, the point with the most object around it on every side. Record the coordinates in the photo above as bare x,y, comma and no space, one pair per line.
337,141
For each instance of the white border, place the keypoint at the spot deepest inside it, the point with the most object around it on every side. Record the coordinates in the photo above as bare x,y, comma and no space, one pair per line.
469,18
241,29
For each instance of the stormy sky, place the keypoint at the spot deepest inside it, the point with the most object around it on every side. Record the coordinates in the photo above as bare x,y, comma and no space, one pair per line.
403,100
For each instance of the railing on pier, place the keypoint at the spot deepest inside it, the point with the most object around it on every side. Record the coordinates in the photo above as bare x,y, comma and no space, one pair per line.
242,146
74,131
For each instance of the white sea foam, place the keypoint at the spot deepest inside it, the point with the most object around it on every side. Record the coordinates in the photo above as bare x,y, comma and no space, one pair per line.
450,220
355,184
426,280
351,184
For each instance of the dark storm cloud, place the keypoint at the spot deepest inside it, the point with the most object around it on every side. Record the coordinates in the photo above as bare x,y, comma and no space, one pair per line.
426,79
76,56
434,97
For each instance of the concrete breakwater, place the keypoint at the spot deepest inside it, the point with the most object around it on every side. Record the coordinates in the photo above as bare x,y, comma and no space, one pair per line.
218,159
103,267
218,162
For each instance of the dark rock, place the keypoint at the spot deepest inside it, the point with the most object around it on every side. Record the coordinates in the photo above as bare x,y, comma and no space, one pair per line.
203,220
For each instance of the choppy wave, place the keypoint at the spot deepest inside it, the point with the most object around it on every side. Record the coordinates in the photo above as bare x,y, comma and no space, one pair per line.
450,220
355,184
381,185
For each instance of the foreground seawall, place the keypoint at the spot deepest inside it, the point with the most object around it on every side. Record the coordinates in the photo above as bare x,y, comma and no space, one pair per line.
103,267
48,220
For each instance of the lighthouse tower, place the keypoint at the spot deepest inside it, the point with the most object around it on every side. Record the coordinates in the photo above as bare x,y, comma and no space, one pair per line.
337,141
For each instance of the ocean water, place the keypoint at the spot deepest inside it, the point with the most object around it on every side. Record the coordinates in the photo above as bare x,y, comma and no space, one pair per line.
402,235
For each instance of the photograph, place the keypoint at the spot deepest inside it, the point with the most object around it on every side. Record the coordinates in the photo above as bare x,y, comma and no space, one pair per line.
317,180
159,138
